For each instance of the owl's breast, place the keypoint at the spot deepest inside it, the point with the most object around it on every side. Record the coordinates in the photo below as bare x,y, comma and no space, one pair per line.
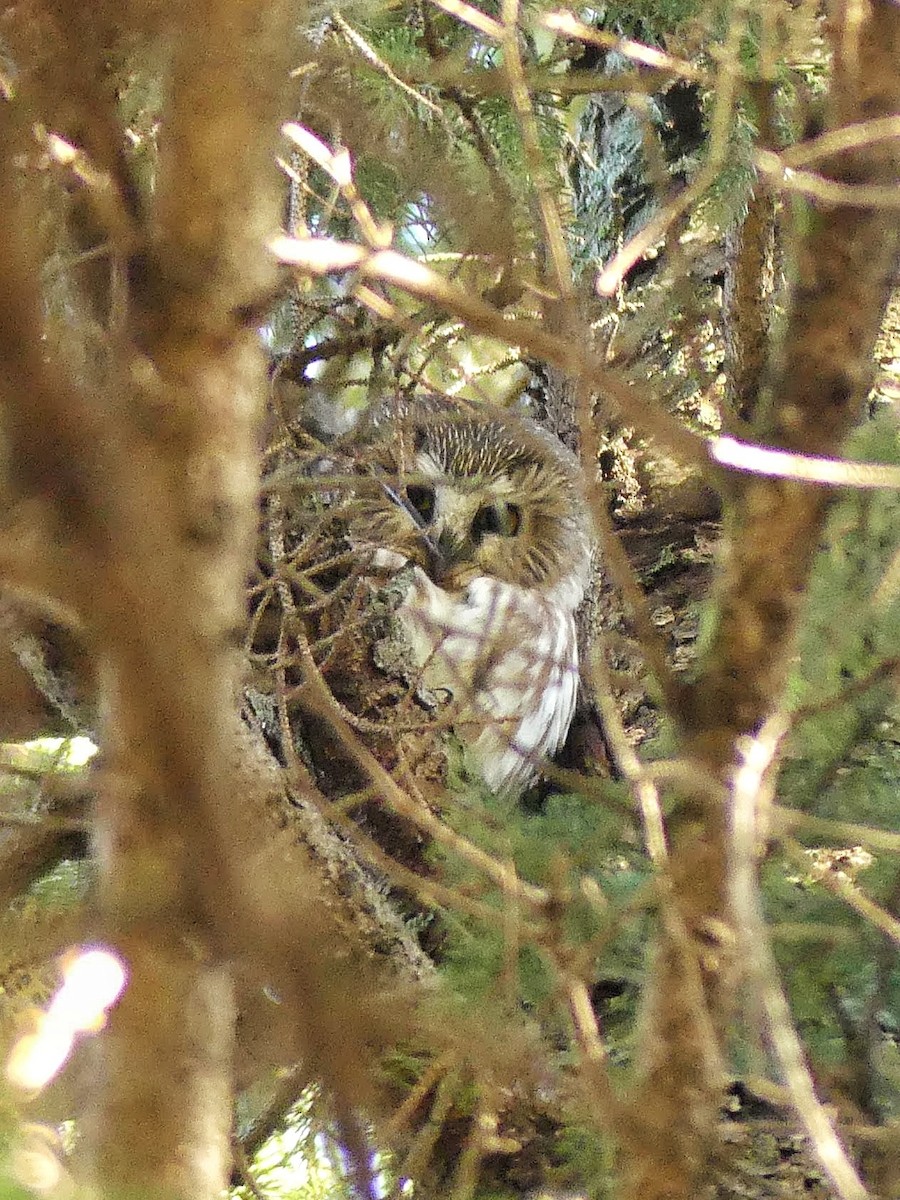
507,657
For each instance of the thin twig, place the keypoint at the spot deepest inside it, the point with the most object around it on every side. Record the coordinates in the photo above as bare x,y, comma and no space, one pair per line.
752,781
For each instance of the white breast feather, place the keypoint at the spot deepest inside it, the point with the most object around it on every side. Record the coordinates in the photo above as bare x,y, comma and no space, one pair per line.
508,656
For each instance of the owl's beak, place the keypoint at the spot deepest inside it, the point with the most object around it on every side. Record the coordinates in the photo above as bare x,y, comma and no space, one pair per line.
436,562
445,554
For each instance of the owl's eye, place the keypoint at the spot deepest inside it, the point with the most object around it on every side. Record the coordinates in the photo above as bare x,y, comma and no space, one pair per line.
499,518
422,500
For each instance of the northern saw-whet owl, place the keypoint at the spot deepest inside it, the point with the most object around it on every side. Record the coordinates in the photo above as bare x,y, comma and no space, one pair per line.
490,510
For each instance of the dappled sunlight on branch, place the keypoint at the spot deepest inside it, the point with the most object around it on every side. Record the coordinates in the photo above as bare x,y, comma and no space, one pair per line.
93,980
783,464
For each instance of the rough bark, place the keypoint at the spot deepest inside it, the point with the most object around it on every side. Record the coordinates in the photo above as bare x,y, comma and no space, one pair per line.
749,282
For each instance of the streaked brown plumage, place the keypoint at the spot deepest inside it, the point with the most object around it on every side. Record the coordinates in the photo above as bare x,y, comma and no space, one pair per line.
490,509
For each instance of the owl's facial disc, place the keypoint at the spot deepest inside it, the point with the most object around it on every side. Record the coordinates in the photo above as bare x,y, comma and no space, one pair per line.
463,529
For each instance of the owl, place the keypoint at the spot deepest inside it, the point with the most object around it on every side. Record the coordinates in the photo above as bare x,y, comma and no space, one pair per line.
489,512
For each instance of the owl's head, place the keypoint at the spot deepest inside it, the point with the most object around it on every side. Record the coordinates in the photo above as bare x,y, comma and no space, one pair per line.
479,492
